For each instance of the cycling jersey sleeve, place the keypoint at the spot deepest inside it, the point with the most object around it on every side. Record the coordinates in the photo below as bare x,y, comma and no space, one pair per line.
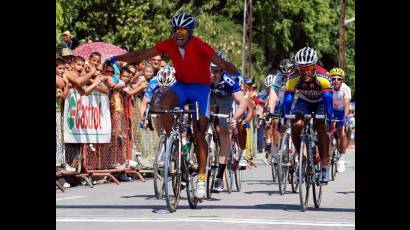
151,89
328,104
287,103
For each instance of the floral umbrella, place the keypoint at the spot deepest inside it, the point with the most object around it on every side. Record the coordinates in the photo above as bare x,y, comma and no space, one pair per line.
105,49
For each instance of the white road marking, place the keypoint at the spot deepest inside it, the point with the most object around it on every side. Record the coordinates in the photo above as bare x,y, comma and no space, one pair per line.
70,198
216,220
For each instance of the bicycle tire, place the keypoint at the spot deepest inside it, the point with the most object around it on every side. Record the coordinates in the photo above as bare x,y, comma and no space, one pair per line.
172,174
227,180
192,177
303,179
212,162
316,185
238,179
158,173
334,157
286,164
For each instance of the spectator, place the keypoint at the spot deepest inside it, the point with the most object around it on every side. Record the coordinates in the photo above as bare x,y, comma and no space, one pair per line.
67,42
67,56
156,63
149,72
351,128
61,95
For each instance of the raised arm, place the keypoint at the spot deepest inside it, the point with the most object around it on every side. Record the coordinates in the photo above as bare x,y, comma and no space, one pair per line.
226,66
137,56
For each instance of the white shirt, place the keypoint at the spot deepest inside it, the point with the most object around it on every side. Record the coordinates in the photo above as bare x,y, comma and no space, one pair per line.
338,97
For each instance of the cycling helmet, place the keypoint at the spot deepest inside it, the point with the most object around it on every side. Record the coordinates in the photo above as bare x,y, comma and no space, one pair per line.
166,76
268,80
337,72
286,66
221,55
183,20
306,56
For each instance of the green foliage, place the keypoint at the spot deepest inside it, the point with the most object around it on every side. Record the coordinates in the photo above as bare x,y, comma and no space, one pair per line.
280,27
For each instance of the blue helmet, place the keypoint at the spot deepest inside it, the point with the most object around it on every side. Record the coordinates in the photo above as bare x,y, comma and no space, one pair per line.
183,20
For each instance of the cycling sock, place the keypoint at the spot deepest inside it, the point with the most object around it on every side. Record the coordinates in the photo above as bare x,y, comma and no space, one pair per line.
221,170
325,163
201,177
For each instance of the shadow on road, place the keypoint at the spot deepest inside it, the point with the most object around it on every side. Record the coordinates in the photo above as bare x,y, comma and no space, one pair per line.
155,208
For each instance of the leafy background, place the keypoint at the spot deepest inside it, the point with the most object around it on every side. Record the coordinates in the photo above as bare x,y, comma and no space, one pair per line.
280,27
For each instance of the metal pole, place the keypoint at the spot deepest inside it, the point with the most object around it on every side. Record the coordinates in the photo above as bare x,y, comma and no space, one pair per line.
250,39
243,38
342,37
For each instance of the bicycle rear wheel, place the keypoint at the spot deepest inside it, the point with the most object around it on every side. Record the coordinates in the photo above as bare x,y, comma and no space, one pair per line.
172,173
316,184
303,179
191,172
334,157
212,165
159,170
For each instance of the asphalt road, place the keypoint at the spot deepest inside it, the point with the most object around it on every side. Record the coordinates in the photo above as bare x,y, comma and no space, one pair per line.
132,205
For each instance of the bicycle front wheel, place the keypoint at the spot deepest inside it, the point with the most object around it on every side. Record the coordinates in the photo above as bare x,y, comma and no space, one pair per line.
159,167
172,173
316,185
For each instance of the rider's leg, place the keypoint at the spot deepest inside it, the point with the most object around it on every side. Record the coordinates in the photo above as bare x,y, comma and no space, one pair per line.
225,143
342,148
169,100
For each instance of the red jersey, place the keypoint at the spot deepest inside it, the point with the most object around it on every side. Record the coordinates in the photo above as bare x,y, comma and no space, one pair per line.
194,67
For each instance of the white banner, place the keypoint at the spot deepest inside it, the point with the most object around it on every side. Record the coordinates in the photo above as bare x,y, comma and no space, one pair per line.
87,119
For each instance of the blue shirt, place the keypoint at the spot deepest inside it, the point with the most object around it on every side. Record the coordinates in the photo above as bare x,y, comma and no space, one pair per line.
263,96
226,86
152,88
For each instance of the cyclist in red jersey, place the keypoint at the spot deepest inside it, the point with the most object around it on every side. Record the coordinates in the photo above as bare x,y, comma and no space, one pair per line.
191,58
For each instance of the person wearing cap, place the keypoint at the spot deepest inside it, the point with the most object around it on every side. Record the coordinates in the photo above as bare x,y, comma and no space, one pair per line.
67,42
68,56
191,58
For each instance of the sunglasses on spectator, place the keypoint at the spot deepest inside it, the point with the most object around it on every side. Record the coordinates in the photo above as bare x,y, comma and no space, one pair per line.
180,31
308,69
337,79
154,59
109,71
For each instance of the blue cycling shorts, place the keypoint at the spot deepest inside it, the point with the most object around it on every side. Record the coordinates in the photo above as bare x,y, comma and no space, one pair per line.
309,107
339,115
190,93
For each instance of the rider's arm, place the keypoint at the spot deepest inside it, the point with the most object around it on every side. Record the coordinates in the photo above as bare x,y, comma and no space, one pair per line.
143,105
81,80
327,96
226,66
137,56
273,98
242,101
250,113
287,102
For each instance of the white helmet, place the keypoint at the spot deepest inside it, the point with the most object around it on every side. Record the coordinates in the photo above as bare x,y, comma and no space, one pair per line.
183,20
268,80
166,76
306,56
221,55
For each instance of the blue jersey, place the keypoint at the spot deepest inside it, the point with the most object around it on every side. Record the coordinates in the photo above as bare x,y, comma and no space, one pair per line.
226,86
152,88
263,96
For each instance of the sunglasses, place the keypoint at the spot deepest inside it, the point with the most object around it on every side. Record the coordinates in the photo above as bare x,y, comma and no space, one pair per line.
180,31
308,69
109,71
215,70
337,79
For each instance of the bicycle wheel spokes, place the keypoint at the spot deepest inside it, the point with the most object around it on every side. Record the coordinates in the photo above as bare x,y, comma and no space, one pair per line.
172,173
159,168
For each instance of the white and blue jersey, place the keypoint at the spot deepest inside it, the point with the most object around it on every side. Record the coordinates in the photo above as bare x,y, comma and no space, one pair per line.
226,86
152,88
